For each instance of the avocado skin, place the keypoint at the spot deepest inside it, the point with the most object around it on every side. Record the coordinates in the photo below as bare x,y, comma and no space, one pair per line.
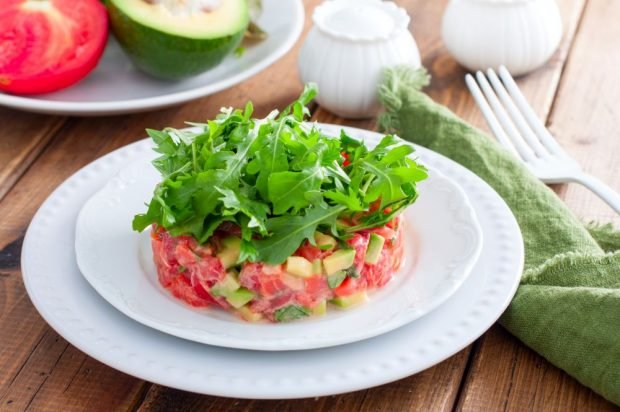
167,56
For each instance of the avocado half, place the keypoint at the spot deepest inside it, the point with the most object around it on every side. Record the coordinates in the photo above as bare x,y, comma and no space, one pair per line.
171,46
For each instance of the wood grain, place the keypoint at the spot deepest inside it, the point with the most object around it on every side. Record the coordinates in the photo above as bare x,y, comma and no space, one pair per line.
586,114
41,371
520,379
506,375
434,389
22,138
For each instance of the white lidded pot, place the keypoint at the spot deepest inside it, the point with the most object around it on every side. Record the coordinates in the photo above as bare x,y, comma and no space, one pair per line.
519,34
348,48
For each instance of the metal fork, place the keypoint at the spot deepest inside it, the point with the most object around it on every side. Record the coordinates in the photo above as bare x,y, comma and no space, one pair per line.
519,130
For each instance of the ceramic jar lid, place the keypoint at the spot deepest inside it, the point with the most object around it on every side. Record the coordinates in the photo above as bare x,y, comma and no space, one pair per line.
360,20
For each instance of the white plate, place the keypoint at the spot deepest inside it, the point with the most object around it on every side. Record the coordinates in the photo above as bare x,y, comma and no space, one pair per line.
79,314
443,241
117,87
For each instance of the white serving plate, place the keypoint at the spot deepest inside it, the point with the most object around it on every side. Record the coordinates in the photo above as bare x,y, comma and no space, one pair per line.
117,87
442,236
79,314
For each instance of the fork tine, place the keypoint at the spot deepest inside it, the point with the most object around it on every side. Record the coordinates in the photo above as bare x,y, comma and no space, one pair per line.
516,117
535,123
492,121
513,134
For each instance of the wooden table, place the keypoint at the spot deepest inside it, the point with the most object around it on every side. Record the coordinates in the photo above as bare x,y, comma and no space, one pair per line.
578,92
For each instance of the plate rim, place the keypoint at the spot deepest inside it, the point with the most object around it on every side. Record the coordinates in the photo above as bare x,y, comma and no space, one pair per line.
302,342
397,367
106,108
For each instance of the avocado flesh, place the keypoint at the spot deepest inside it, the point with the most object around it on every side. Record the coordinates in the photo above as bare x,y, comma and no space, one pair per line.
175,47
299,266
231,248
339,260
373,251
225,286
346,302
239,297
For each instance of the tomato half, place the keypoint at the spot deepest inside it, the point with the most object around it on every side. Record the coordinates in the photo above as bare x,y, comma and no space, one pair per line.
47,45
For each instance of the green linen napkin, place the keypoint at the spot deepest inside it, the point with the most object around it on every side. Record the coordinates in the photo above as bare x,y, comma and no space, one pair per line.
567,307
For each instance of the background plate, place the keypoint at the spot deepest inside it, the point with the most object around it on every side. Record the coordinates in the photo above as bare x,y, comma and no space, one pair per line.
442,242
80,315
117,87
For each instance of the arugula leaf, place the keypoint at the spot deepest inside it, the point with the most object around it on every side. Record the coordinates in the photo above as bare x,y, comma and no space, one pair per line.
237,203
288,232
287,190
278,179
290,312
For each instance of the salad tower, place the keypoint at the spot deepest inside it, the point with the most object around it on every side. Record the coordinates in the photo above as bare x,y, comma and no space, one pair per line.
272,219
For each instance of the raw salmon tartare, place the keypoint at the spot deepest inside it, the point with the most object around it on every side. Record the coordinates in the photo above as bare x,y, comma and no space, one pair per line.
272,219
207,274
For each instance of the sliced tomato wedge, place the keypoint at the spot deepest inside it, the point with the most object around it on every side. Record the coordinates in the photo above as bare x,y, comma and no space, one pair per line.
47,45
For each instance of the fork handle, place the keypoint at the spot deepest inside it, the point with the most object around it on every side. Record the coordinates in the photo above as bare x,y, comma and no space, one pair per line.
610,196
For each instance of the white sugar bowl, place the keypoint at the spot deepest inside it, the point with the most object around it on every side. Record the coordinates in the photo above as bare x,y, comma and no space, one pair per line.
348,48
519,34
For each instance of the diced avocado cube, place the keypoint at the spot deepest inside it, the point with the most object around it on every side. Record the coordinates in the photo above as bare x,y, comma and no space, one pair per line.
225,286
350,300
375,246
317,266
247,314
324,242
239,297
231,247
299,266
320,309
335,279
339,260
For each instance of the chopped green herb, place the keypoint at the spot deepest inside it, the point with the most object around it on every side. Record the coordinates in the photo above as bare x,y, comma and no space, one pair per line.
352,272
291,312
240,51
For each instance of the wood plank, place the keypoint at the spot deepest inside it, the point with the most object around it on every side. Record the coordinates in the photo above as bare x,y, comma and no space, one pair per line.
504,373
540,87
586,114
23,137
30,356
434,389
501,364
121,130
37,370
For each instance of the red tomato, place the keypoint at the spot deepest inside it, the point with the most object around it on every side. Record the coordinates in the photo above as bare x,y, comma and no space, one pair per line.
311,253
346,159
47,45
349,286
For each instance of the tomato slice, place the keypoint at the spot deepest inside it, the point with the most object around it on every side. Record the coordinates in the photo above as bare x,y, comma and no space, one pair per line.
47,45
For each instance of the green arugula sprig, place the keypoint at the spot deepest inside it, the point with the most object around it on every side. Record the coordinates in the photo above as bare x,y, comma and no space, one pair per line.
279,179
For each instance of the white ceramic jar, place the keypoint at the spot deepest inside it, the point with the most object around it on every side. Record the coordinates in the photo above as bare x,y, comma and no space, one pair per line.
519,34
348,48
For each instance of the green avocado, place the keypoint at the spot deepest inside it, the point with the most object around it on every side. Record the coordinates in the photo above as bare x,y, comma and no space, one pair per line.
346,302
339,260
239,297
374,249
169,45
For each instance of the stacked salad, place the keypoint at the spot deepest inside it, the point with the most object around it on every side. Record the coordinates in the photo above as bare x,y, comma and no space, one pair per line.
272,219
